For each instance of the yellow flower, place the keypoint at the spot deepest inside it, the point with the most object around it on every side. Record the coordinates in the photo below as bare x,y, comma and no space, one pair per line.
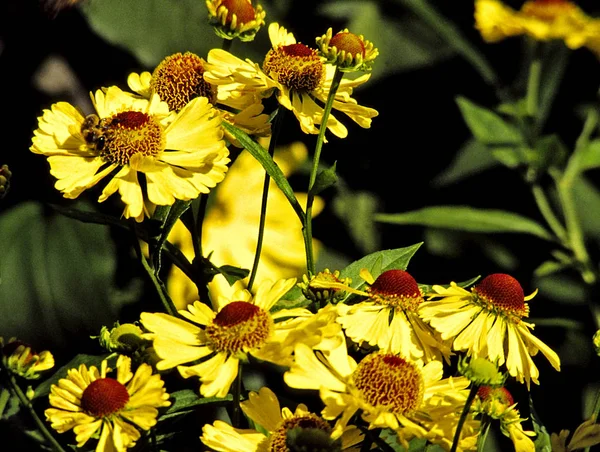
390,392
498,403
178,156
235,18
230,228
179,78
347,51
236,326
298,74
87,401
389,319
264,409
488,322
543,20
20,359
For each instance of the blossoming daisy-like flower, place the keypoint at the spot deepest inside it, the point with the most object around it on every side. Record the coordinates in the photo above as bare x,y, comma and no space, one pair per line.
237,326
390,392
88,400
229,231
300,77
179,78
488,322
20,359
179,155
498,403
235,18
544,20
263,408
389,319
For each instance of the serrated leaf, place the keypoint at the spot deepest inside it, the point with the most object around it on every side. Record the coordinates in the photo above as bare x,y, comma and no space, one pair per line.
187,399
378,262
465,218
487,126
43,389
325,179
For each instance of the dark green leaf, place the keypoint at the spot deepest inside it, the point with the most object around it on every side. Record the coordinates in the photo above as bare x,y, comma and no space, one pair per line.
43,388
403,33
356,209
587,200
291,300
452,36
9,403
325,179
487,126
472,158
233,274
187,399
272,169
466,218
378,262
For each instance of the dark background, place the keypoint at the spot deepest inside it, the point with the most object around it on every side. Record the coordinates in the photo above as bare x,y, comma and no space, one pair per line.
415,137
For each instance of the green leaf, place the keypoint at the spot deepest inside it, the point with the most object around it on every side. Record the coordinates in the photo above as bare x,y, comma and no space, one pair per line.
587,201
325,179
402,33
9,404
472,158
555,61
542,440
356,210
292,299
153,29
43,389
589,156
233,274
57,266
378,262
549,152
186,399
267,162
452,36
467,218
487,126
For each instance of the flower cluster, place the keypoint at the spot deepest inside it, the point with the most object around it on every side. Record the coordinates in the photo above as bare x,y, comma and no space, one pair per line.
375,357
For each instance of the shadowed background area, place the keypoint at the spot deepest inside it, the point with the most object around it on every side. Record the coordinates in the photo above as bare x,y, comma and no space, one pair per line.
61,280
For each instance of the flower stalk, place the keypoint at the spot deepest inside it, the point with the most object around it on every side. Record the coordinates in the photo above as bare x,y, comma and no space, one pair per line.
307,229
463,416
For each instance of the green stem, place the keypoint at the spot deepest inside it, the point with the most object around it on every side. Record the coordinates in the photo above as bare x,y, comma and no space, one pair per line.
463,416
483,433
565,192
4,396
158,285
275,129
533,84
197,220
546,210
237,398
14,386
307,229
595,412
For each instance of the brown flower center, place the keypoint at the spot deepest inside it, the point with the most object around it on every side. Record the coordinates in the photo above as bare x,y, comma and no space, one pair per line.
502,292
501,394
295,66
119,137
349,43
104,397
240,326
179,78
389,382
547,10
278,439
242,9
396,288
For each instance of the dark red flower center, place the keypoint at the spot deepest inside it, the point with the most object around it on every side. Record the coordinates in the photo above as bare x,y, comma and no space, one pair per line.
502,291
236,312
104,397
241,8
349,43
502,394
